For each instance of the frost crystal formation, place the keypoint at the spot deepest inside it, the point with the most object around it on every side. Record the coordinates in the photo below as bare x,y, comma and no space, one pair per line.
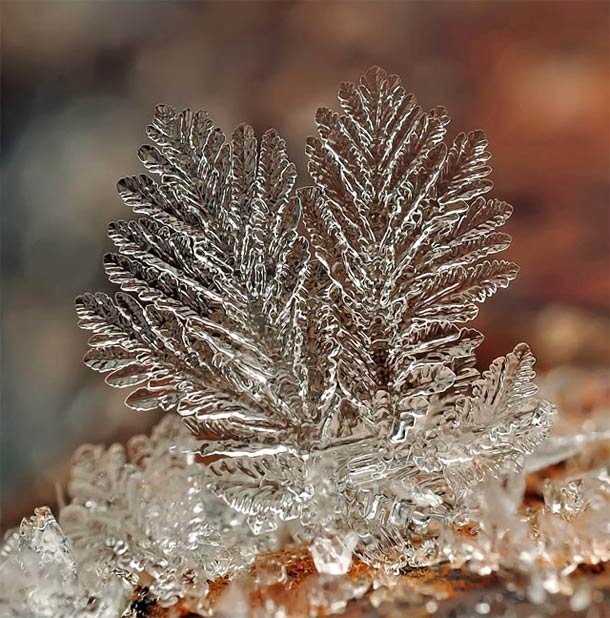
311,343
312,340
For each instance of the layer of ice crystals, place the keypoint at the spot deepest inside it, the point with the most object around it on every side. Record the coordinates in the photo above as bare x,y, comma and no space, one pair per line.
91,569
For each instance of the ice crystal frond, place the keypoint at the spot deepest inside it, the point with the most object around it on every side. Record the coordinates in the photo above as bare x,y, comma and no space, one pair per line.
212,278
326,373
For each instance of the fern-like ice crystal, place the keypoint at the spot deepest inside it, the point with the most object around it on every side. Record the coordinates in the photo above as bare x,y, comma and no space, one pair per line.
313,339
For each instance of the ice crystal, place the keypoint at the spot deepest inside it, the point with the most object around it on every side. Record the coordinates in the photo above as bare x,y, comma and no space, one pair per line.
146,514
323,368
333,556
40,579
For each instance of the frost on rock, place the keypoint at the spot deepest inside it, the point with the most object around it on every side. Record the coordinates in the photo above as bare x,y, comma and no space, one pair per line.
312,346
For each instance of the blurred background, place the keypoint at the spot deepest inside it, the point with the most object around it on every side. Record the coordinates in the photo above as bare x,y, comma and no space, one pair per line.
80,80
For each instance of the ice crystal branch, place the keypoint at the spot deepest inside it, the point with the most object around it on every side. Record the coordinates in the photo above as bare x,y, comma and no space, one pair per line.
326,374
212,278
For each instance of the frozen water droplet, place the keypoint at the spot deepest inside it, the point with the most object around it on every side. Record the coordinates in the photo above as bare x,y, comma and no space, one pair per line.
333,555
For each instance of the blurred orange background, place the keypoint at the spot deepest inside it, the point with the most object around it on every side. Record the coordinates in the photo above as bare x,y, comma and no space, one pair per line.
80,80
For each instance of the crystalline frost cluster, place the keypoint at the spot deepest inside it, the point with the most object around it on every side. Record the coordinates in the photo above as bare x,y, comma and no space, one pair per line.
313,342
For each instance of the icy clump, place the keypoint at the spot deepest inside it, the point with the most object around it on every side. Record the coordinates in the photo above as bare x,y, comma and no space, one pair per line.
144,514
39,577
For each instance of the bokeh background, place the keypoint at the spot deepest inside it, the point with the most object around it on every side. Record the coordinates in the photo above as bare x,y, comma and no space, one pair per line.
80,80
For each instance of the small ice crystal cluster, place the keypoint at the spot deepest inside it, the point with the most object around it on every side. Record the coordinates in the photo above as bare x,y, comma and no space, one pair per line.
312,341
147,510
141,514
39,577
